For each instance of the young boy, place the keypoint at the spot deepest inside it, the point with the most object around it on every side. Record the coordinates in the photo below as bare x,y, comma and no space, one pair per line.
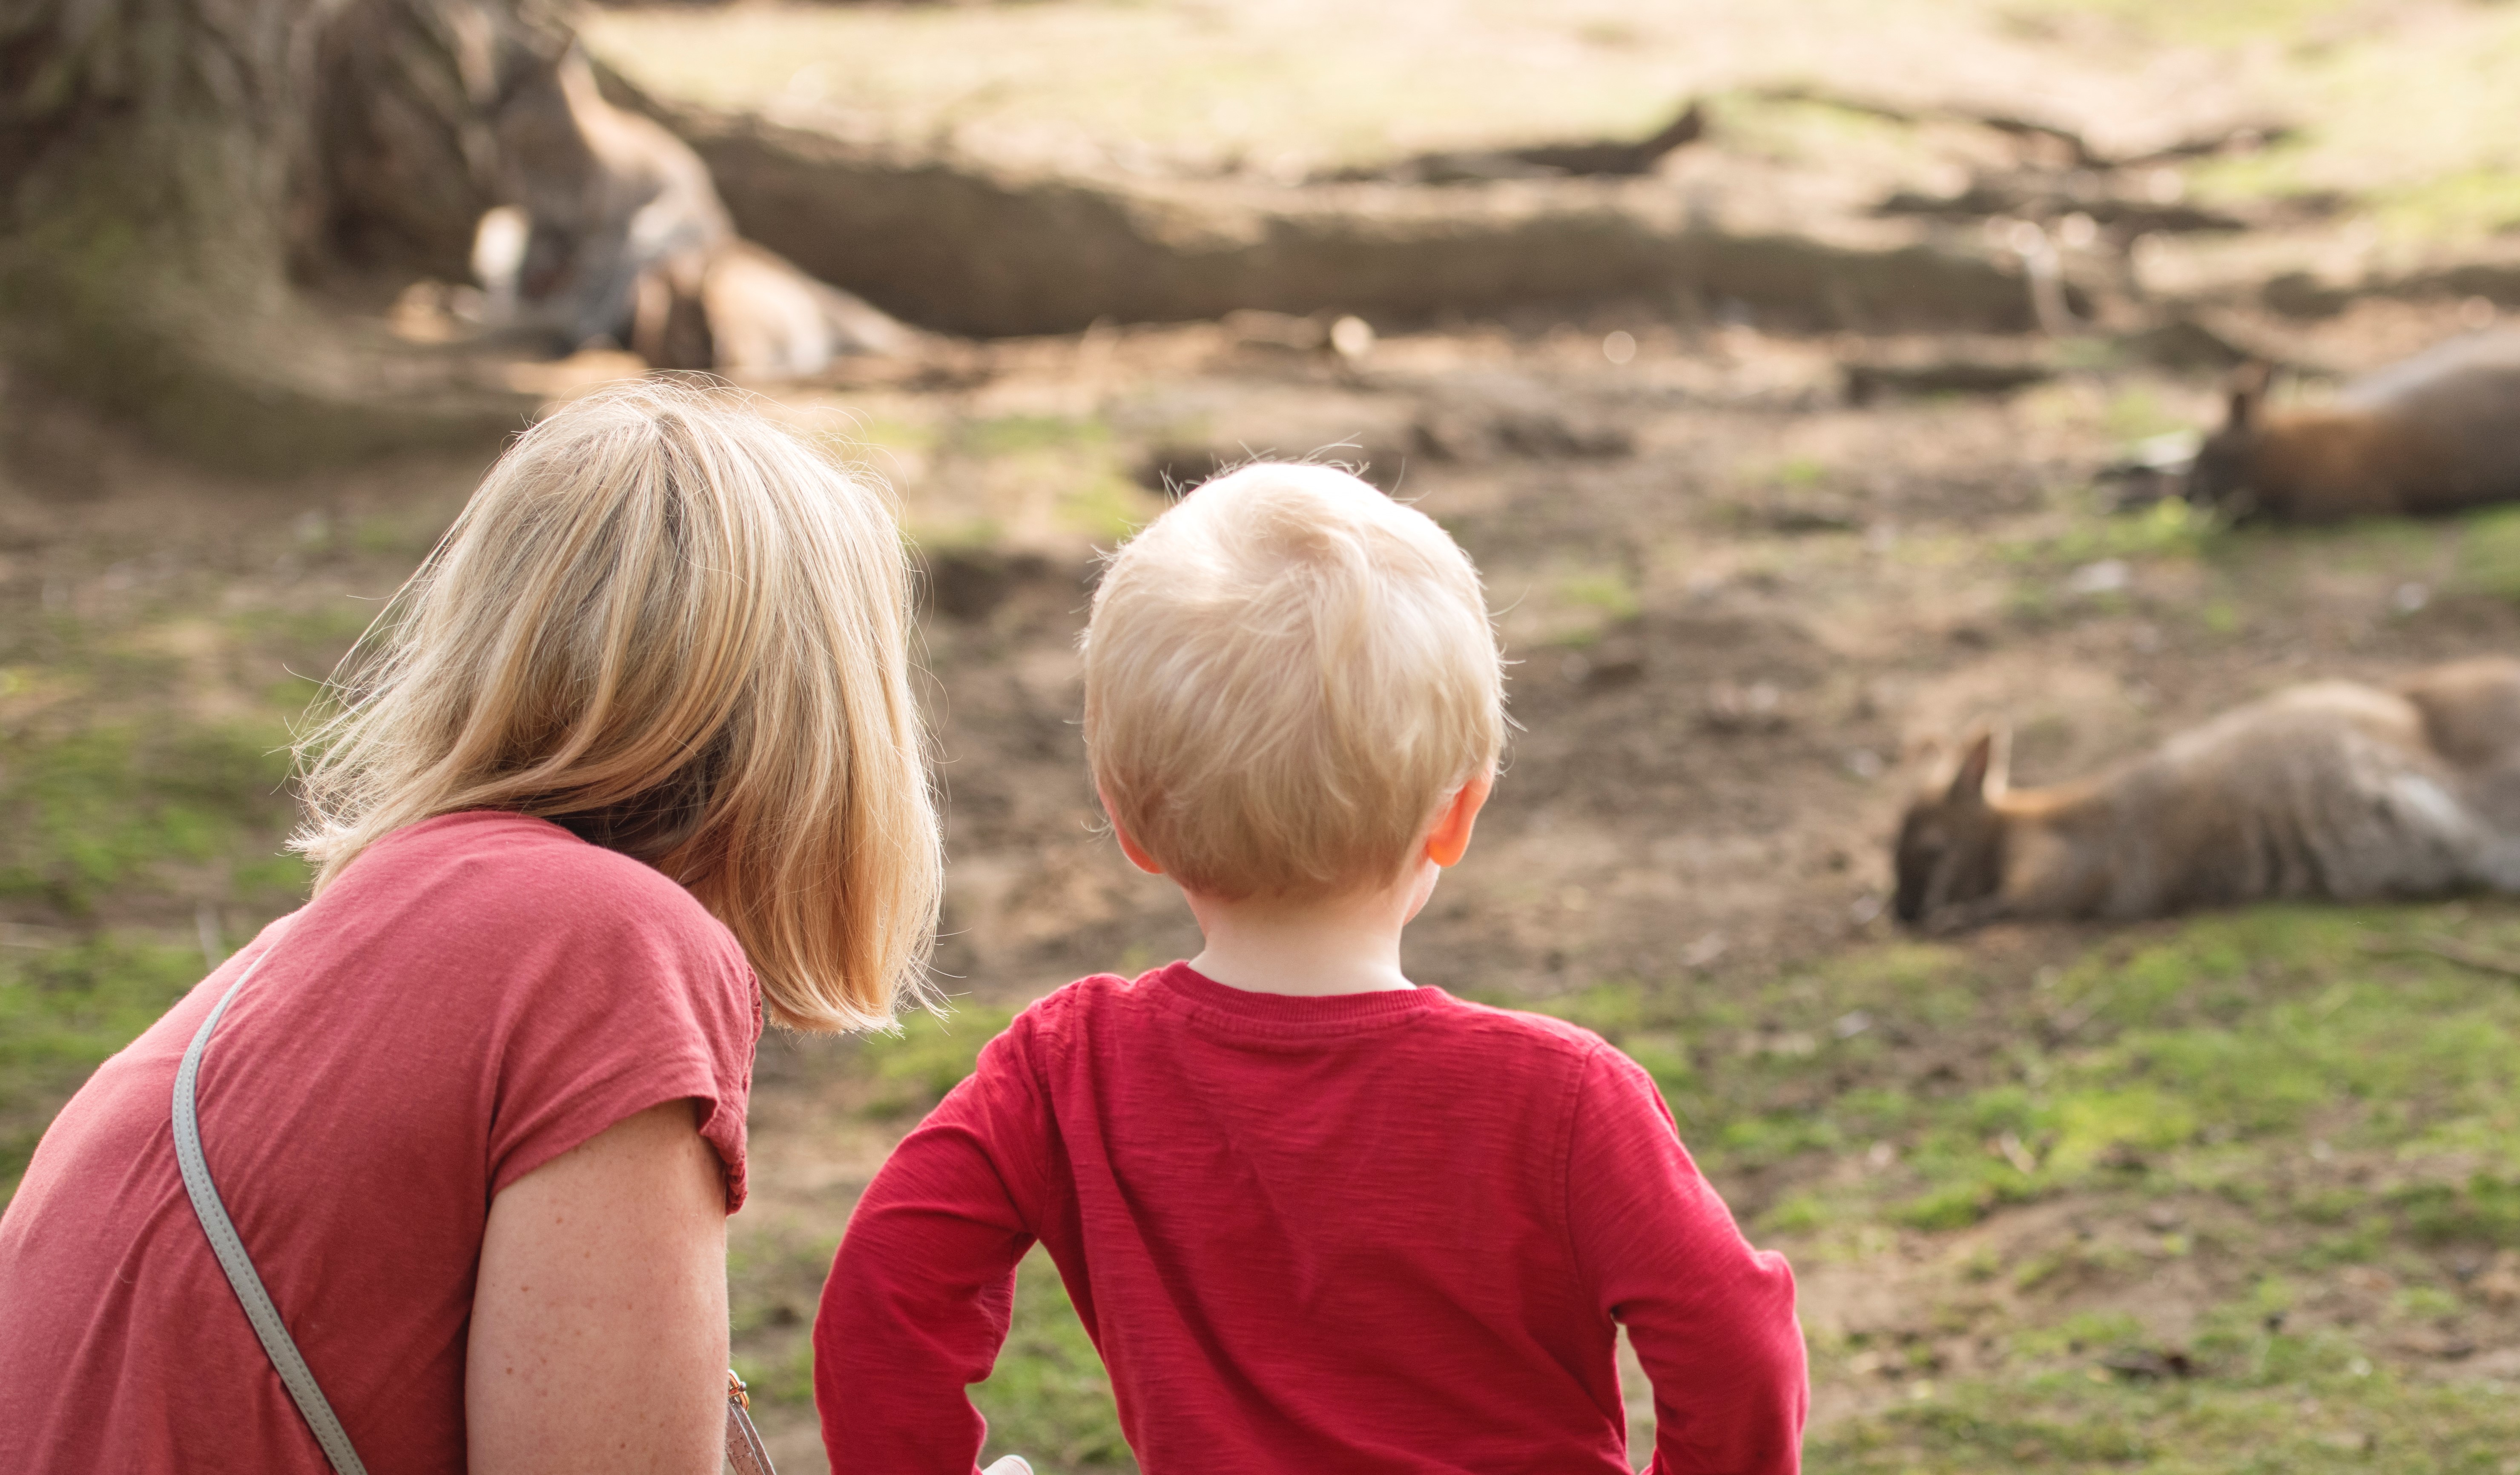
1315,1217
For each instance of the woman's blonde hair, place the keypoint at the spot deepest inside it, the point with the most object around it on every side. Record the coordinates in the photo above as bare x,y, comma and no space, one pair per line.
1284,677
671,626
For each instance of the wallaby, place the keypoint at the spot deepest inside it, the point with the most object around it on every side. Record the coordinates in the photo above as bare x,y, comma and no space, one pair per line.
603,195
2435,433
617,234
2334,789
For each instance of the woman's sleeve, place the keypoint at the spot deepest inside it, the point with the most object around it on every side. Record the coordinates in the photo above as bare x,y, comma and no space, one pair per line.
921,1292
1712,1319
628,1005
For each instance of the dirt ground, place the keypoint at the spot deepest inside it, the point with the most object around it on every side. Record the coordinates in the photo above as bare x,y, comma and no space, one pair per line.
1741,603
1735,605
1733,622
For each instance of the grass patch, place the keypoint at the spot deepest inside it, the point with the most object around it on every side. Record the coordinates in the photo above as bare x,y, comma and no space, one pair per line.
1019,434
2304,1407
2489,553
1606,591
136,836
101,808
1049,1398
1923,1088
912,1067
2234,1032
2167,529
62,1011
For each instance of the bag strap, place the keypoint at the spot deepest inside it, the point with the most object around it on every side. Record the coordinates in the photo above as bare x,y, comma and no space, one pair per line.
233,1259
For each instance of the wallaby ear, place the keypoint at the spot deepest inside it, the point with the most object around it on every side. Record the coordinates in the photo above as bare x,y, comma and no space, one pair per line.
1980,775
2248,390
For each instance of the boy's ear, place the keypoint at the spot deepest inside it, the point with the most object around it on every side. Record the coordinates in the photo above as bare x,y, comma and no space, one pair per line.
1129,847
1449,839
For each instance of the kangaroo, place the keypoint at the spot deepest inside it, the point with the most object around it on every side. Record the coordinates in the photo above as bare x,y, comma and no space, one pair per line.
2334,789
2433,435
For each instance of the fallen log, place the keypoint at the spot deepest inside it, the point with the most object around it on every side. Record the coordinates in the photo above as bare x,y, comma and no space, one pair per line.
973,249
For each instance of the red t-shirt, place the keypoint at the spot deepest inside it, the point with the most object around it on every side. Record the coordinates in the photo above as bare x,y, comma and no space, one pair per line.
474,996
1383,1231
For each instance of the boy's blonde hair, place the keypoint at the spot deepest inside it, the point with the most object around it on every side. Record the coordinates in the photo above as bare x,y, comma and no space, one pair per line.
671,626
1284,678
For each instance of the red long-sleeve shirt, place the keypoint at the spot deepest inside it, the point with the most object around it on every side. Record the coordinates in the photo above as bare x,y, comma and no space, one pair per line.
1382,1231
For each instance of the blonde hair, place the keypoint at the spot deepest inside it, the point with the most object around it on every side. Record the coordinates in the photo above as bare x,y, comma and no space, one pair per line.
671,626
1284,677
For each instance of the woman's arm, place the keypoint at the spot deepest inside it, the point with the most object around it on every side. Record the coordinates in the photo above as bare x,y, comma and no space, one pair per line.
598,1321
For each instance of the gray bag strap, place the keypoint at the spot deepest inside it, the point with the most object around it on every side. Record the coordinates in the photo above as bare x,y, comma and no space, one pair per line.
239,1265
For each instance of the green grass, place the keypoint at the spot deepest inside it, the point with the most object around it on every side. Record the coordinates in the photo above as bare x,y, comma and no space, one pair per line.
910,1069
1049,1398
2489,553
1036,479
100,809
62,1011
2185,1063
143,812
166,823
2289,1405
2167,529
175,831
1608,590
2193,1057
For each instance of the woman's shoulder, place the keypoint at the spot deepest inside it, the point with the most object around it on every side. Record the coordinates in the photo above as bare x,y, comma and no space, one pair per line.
499,880
523,862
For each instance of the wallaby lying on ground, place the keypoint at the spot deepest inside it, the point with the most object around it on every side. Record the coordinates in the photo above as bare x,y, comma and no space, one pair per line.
2333,790
617,234
2435,433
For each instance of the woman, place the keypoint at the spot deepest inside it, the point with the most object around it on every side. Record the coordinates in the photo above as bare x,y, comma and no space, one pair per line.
631,761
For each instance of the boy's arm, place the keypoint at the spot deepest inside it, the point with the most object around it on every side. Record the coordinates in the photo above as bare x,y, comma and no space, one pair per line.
919,1294
1712,1319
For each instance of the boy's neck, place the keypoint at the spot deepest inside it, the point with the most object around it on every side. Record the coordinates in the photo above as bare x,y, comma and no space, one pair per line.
1346,944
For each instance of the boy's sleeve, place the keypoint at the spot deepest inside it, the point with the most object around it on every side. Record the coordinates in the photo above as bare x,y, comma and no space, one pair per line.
1712,1319
919,1294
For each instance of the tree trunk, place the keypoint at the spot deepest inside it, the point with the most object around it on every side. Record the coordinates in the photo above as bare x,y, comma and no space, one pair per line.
167,222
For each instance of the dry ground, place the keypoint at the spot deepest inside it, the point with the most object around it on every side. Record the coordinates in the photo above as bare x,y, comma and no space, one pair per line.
2234,1194
1732,601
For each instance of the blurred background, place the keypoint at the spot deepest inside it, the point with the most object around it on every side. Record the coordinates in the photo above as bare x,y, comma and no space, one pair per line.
1808,378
